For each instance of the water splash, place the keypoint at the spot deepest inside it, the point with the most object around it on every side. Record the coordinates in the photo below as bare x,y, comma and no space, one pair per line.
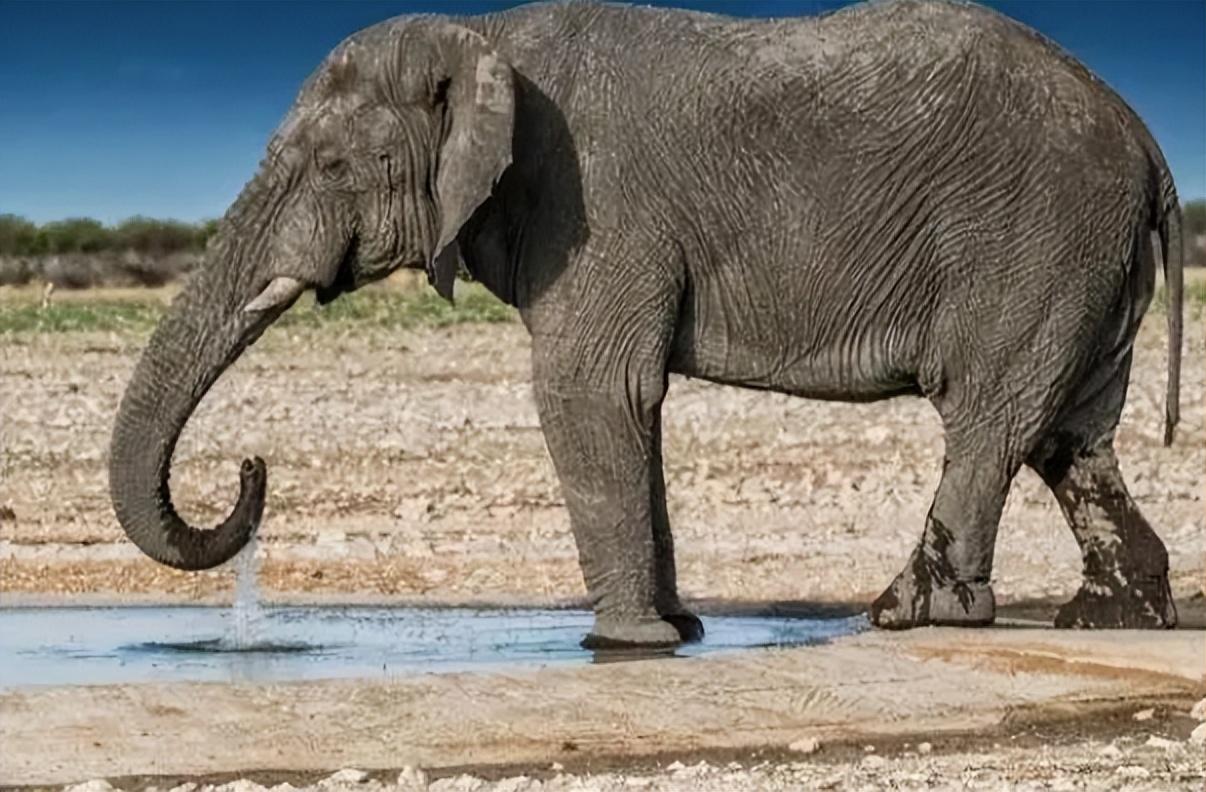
247,611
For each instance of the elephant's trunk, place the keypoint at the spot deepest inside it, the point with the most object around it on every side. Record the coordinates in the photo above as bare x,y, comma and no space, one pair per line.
203,333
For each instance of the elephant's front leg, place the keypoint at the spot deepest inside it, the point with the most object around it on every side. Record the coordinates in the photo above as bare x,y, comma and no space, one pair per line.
600,419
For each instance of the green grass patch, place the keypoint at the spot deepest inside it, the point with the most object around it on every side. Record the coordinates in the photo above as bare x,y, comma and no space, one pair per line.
386,308
379,308
127,316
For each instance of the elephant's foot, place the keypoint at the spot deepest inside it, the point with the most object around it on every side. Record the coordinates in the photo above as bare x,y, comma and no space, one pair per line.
917,599
690,628
1118,602
652,632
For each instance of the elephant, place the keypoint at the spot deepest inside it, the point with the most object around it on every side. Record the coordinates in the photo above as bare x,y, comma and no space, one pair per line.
907,198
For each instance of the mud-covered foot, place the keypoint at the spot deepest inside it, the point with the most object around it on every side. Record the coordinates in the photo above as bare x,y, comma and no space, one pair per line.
624,634
1117,601
917,599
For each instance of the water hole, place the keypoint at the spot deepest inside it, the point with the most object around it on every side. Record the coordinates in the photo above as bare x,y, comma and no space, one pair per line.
86,645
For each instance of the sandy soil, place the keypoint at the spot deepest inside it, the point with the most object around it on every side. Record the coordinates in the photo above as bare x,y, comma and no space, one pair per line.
990,698
409,466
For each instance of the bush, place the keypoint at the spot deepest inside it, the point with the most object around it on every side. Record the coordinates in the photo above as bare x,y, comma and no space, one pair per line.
18,236
75,235
157,237
145,235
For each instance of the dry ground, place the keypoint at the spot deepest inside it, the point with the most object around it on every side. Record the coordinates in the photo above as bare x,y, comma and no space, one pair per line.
408,465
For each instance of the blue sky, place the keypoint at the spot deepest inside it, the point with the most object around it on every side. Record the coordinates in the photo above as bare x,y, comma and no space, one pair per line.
163,108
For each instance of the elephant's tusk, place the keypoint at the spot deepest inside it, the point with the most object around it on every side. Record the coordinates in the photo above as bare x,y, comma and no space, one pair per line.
281,291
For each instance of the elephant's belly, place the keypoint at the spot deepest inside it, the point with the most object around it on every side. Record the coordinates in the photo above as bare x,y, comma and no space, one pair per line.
856,366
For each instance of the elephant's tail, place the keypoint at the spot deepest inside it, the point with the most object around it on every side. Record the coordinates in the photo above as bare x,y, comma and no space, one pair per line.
1169,228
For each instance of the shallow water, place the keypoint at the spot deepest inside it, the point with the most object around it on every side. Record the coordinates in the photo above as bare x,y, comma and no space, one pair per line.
78,646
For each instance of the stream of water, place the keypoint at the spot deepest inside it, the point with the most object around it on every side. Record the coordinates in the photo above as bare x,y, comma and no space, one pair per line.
246,611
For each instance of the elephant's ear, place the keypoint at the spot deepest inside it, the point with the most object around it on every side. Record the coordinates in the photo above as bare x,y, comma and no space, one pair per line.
479,96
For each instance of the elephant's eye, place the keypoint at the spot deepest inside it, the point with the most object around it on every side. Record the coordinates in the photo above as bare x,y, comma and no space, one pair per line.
332,167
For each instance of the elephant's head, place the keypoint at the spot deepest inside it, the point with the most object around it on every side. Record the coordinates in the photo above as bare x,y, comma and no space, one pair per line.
389,148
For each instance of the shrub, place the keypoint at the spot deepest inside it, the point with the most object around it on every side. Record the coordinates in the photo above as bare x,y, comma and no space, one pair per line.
18,236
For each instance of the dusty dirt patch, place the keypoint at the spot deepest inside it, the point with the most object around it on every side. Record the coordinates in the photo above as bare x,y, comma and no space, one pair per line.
410,464
876,688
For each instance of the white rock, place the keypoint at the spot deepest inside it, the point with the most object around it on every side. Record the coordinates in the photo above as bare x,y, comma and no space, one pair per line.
556,767
95,785
412,778
698,769
869,749
674,767
346,776
513,784
462,783
1144,714
1110,751
1198,735
242,785
1132,771
873,761
1161,743
805,745
1199,710
185,787
924,748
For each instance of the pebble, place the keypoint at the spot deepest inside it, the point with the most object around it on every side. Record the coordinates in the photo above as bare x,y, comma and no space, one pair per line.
1111,751
1133,771
412,778
1144,714
242,785
95,785
873,761
1162,743
1198,735
462,783
924,748
346,776
805,745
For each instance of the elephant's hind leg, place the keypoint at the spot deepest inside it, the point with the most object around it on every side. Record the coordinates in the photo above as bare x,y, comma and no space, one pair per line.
1125,562
947,578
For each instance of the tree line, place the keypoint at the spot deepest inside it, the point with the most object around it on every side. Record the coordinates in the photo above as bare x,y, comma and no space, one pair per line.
20,237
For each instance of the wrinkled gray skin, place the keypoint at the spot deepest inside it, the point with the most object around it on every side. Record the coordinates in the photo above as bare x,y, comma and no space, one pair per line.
901,198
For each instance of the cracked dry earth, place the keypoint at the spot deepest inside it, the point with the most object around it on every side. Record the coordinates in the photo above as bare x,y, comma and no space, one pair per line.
409,465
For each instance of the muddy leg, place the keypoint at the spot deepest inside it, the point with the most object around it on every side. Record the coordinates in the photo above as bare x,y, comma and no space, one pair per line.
1125,563
946,580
